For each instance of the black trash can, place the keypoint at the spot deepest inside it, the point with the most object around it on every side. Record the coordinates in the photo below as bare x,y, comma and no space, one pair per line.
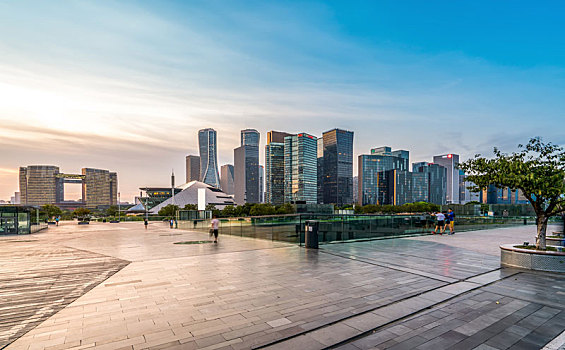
311,234
525,221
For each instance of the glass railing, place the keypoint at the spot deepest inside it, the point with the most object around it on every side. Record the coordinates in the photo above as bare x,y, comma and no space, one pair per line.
336,228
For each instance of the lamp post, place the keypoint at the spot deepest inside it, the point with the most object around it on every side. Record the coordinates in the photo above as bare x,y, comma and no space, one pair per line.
146,198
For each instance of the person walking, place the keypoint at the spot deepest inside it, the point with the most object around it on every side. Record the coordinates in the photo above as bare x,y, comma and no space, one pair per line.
450,221
145,222
57,221
171,223
214,225
440,223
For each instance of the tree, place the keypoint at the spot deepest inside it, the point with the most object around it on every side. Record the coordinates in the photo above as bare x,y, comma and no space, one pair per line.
537,169
168,211
81,212
112,210
51,210
191,207
228,211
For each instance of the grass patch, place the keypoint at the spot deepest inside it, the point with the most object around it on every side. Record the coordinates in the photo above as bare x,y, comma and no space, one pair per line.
194,242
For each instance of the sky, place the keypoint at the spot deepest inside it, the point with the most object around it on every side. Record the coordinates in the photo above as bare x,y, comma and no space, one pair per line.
126,85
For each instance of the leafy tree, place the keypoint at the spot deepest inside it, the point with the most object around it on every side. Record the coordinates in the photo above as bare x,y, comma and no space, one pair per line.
215,211
262,209
81,212
51,210
191,207
228,211
537,169
286,208
168,211
112,210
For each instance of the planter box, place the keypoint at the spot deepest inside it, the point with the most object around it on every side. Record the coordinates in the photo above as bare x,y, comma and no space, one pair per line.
555,241
532,259
83,222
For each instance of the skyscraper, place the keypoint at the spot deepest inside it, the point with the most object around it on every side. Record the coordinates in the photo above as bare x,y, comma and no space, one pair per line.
300,169
276,136
373,172
261,184
320,167
437,181
99,188
40,185
192,168
226,179
207,142
246,168
338,167
274,170
250,137
451,163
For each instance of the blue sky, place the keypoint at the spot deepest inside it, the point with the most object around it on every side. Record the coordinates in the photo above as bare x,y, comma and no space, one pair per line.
126,85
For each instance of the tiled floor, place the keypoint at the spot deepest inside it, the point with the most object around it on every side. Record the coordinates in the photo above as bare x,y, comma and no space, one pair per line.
245,293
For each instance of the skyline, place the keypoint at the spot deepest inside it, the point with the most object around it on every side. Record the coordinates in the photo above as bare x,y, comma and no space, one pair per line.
126,86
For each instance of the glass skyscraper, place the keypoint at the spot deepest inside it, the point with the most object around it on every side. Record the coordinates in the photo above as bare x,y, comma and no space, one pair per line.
208,157
373,173
246,168
274,167
437,180
300,169
337,167
451,163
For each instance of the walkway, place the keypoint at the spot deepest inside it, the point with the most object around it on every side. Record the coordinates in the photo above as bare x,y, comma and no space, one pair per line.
243,293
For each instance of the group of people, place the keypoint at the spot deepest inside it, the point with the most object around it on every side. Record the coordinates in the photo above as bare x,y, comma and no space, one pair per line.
443,221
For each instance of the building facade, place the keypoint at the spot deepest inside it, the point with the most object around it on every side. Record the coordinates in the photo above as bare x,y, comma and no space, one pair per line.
207,143
192,168
246,168
451,163
276,136
373,172
320,167
226,179
337,167
437,181
39,185
261,184
274,173
300,169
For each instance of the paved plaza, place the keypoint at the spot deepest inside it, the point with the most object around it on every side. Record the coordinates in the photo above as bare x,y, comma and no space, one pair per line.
119,286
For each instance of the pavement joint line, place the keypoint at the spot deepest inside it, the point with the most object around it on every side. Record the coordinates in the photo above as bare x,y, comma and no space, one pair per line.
366,333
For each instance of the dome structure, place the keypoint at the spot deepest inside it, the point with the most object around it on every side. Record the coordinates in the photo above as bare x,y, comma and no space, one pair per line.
189,195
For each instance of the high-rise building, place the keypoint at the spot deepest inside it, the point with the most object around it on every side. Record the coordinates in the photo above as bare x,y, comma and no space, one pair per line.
355,189
338,167
99,188
300,169
437,181
320,167
192,168
451,163
246,168
261,184
276,136
207,142
274,173
40,185
373,172
226,179
250,137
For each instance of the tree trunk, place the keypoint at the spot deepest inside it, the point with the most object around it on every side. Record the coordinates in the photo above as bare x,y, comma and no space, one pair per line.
541,222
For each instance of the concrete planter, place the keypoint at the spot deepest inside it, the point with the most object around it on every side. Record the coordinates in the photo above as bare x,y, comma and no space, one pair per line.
555,241
531,259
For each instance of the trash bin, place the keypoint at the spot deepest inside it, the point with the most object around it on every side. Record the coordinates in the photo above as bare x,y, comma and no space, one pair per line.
311,235
525,221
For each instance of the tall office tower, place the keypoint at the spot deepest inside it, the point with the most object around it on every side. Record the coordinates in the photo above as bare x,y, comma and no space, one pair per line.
462,188
246,168
226,179
97,188
250,137
437,181
355,189
300,169
274,172
276,136
451,163
113,189
207,142
373,172
320,167
192,168
40,185
338,167
261,184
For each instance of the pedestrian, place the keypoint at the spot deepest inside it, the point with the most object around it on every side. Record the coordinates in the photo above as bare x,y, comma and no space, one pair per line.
171,222
214,225
440,223
450,220
145,222
57,221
